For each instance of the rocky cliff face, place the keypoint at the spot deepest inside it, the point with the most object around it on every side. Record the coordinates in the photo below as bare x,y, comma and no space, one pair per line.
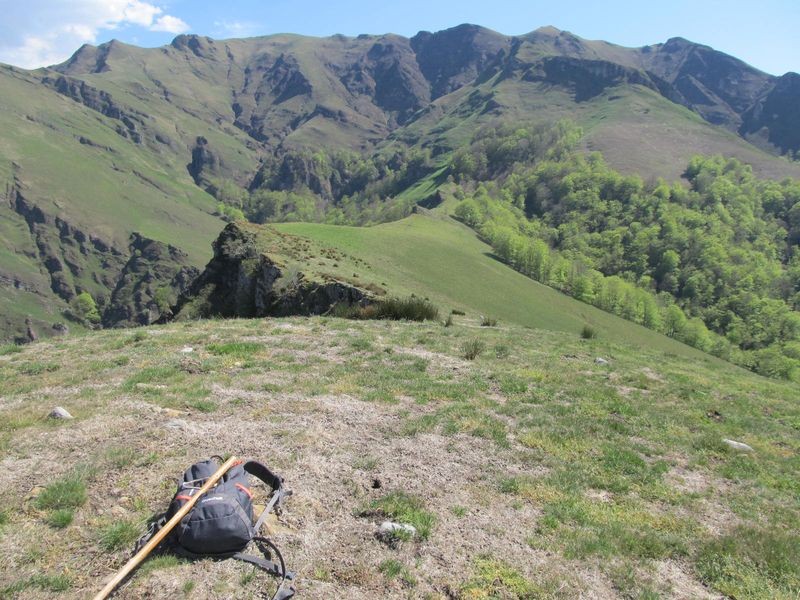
149,284
67,253
131,122
774,120
241,281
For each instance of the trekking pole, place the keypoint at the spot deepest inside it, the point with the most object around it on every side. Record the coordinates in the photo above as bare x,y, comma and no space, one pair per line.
162,533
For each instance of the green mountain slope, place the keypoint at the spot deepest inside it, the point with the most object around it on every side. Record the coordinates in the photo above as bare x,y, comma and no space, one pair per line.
121,140
426,254
73,192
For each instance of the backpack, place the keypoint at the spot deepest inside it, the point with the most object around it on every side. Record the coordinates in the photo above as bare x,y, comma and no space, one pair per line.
221,524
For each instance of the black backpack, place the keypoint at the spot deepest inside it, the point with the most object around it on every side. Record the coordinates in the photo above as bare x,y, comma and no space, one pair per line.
221,524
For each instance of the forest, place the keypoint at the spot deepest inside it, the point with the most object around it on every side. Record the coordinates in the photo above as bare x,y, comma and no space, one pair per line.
712,261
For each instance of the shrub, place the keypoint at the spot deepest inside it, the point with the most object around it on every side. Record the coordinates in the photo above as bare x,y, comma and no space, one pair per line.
457,312
397,309
409,309
473,348
488,322
85,308
588,332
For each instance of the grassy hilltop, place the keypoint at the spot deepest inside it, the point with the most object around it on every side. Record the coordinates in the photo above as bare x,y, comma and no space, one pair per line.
530,471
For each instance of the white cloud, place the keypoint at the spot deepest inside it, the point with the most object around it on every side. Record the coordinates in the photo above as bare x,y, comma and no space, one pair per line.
36,33
170,24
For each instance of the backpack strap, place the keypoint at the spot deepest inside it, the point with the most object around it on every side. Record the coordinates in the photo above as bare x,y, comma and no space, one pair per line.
260,470
278,569
153,528
279,493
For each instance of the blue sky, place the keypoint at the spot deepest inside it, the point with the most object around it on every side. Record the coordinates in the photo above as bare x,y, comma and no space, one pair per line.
39,32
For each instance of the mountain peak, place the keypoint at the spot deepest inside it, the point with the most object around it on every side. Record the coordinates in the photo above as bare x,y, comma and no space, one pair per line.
547,30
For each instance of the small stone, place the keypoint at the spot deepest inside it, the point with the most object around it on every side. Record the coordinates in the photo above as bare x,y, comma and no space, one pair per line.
118,511
600,361
59,412
187,350
389,528
742,447
176,424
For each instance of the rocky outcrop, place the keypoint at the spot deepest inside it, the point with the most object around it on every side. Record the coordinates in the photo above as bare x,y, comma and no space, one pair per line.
131,121
205,163
775,119
585,78
67,253
149,284
240,281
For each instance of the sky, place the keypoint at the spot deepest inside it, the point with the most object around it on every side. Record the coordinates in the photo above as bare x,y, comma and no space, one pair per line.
36,33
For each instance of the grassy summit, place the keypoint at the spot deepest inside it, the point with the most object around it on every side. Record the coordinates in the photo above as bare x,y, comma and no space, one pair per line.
532,470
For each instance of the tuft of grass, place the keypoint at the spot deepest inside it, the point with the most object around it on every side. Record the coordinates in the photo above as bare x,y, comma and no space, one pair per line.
150,375
61,518
361,344
393,569
502,351
473,348
404,508
488,321
67,492
448,322
247,577
119,535
7,349
494,578
365,463
121,456
457,312
47,583
37,368
156,563
588,332
204,406
235,349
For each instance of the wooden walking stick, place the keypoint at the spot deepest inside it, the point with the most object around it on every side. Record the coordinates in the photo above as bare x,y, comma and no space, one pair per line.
162,533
